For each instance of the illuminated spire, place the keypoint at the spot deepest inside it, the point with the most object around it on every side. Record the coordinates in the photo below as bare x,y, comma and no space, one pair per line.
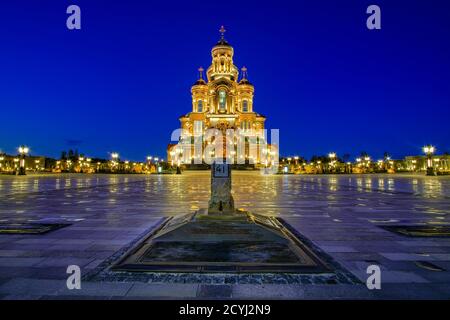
200,80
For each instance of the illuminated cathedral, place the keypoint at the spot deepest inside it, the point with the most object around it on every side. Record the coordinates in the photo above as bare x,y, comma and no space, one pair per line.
224,100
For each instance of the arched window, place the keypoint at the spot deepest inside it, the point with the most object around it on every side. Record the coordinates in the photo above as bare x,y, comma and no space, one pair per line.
245,106
200,106
222,100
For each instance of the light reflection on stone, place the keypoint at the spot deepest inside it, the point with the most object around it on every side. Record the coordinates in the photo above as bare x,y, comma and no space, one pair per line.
374,195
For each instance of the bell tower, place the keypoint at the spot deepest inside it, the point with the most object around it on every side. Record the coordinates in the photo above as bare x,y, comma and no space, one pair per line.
200,94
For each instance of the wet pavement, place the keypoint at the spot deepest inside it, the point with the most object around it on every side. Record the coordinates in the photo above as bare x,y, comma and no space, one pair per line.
339,214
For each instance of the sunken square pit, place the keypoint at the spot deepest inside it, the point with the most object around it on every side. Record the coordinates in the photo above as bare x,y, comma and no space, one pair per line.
240,242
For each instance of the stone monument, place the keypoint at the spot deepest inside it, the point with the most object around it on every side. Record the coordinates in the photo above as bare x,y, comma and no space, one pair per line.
221,200
220,239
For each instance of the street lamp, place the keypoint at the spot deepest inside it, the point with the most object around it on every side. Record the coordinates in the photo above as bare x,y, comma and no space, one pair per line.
16,163
80,163
429,151
1,160
89,160
332,156
380,164
23,151
367,159
349,167
114,159
319,166
149,163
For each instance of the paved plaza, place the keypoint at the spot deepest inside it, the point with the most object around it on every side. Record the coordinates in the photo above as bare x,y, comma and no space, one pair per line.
341,215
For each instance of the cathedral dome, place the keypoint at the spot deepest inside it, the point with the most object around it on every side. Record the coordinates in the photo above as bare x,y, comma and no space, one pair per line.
223,43
200,82
244,80
222,46
222,61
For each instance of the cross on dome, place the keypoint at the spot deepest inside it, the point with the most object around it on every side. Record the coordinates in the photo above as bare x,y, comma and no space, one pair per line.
222,32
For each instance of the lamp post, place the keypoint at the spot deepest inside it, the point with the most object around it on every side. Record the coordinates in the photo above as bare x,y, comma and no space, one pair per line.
23,151
157,165
80,163
1,162
387,162
296,158
349,167
358,164
149,163
429,151
172,157
114,160
367,160
69,165
88,164
332,156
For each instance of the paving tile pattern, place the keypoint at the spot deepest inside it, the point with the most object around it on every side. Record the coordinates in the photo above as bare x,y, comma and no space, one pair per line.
338,214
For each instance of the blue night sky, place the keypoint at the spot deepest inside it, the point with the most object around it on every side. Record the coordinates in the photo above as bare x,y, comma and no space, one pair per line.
321,77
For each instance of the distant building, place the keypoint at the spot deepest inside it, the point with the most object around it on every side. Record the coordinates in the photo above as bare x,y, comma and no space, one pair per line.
10,164
441,163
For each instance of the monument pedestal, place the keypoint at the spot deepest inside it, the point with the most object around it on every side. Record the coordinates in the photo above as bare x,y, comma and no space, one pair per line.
221,201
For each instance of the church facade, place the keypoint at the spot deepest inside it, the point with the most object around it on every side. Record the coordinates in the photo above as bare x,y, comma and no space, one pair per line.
222,101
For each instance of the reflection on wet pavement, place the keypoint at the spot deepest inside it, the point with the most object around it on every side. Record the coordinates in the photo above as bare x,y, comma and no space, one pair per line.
341,214
379,196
